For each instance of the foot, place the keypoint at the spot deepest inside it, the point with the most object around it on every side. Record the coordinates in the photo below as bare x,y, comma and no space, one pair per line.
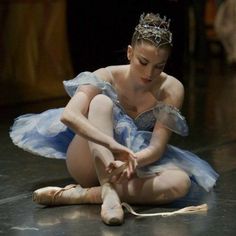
111,212
69,195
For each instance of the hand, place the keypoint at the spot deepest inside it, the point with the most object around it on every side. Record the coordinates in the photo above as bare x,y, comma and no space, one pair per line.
125,155
119,171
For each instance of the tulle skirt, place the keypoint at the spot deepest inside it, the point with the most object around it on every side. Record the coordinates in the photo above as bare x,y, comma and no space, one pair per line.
43,134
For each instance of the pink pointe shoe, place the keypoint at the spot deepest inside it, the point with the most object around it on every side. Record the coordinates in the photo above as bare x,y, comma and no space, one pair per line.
112,216
51,196
111,212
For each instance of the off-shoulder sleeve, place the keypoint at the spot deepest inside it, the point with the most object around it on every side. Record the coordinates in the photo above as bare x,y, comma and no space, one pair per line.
83,78
171,118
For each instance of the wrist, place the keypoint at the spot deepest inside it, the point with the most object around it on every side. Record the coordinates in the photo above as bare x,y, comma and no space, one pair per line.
111,143
146,156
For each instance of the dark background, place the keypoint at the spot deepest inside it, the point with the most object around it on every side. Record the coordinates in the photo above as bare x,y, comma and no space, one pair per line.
99,31
44,42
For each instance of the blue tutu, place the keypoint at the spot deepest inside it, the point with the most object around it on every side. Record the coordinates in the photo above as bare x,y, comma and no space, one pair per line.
45,135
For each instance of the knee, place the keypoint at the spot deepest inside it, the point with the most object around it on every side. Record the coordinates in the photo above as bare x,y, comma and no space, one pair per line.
174,184
181,185
101,103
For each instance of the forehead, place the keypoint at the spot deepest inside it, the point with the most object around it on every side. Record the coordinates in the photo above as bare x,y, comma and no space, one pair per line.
151,53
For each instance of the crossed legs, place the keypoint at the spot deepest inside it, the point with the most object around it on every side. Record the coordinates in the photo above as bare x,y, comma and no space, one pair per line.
86,163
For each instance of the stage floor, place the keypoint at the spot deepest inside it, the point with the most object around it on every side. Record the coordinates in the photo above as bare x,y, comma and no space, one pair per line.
210,109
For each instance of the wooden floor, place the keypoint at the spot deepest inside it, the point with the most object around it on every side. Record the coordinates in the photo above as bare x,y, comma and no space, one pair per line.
210,109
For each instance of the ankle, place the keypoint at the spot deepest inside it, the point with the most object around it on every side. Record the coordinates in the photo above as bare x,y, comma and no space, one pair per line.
94,195
109,195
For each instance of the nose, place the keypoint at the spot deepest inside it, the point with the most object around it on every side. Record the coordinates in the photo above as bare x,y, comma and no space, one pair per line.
148,72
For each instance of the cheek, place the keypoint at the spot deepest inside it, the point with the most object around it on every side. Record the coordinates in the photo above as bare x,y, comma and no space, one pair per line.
138,69
137,65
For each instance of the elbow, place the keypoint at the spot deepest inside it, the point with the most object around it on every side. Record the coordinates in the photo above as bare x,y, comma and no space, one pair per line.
66,118
71,119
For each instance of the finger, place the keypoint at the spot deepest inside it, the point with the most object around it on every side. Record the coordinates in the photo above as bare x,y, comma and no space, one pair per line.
110,168
131,167
132,164
113,165
119,177
113,179
122,177
135,163
116,171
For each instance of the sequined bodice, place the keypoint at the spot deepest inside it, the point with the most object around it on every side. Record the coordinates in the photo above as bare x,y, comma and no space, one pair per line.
145,120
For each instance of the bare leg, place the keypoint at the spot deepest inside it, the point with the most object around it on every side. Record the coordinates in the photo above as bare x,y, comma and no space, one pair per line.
165,187
80,163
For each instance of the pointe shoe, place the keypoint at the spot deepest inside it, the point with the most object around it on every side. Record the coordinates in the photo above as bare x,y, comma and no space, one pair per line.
112,212
112,215
51,196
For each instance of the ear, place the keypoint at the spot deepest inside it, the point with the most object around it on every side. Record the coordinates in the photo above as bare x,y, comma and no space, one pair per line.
129,52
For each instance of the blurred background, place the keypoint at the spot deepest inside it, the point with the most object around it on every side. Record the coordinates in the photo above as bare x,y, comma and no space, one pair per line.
43,42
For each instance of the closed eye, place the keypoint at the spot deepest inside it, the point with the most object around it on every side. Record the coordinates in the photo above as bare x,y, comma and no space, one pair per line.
144,63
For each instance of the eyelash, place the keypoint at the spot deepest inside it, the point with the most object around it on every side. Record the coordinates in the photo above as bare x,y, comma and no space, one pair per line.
142,63
145,63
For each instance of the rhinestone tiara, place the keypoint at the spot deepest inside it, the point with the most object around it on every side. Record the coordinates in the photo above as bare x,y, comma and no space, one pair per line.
156,31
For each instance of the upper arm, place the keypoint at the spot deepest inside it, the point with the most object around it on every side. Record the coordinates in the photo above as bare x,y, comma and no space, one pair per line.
174,96
173,92
177,94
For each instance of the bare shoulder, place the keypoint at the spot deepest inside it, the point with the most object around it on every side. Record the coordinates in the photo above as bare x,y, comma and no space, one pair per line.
110,73
103,74
173,91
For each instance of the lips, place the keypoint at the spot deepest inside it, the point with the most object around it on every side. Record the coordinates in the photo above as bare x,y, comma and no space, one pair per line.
146,80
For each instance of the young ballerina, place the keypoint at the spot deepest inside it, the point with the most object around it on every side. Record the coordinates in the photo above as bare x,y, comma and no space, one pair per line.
114,132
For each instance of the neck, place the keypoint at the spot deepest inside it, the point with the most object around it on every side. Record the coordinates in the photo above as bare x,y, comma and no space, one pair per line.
134,86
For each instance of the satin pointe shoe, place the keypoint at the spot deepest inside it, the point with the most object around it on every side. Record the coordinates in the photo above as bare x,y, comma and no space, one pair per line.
112,215
51,196
111,212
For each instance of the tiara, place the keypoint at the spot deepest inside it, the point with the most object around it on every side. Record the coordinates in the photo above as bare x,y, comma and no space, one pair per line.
156,32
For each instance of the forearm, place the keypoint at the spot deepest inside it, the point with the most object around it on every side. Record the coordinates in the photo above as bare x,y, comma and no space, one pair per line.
149,155
155,149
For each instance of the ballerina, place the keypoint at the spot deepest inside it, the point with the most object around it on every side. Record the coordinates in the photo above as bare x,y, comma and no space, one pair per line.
115,129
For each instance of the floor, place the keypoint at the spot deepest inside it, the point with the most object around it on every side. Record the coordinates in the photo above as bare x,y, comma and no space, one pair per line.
210,109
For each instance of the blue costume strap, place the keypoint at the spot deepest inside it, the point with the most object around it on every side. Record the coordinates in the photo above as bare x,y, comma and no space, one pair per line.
171,118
